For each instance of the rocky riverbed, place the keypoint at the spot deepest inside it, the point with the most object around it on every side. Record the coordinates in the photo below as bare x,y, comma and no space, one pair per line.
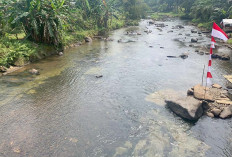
213,102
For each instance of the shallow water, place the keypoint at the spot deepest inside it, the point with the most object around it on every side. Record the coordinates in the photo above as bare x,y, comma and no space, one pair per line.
67,111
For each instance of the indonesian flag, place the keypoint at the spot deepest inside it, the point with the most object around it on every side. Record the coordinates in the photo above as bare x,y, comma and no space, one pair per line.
218,32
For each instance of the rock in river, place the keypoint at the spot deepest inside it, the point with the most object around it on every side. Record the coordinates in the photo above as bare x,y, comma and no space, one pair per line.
227,112
193,31
187,108
34,72
184,55
193,40
199,93
190,92
88,39
151,22
216,111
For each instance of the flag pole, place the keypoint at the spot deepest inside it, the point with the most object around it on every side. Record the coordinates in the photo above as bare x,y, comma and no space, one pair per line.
203,75
218,33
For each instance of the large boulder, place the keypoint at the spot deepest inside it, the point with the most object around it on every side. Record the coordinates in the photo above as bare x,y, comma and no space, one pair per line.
187,108
227,112
202,93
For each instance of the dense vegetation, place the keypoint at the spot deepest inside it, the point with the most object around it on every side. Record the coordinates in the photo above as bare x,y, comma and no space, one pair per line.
29,26
202,12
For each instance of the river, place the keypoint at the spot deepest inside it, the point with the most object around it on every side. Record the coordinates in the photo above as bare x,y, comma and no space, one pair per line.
67,111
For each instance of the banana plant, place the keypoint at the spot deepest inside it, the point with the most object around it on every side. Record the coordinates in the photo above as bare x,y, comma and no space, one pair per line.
41,21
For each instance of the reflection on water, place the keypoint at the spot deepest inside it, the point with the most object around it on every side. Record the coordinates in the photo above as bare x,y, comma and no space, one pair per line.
67,111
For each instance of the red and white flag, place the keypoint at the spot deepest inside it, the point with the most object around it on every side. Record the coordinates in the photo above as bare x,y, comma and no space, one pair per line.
218,32
209,75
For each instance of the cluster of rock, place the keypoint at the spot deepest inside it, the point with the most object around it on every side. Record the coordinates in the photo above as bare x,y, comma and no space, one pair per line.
214,102
221,56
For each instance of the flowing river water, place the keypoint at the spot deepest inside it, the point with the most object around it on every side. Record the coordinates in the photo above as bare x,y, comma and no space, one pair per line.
67,111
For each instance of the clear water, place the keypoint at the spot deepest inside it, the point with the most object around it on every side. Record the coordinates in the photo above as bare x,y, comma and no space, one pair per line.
67,111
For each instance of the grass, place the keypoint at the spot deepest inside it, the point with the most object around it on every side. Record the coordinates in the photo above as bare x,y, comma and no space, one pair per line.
73,37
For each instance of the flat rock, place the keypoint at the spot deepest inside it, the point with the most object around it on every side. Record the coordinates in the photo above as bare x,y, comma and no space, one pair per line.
216,86
187,108
227,112
199,93
227,102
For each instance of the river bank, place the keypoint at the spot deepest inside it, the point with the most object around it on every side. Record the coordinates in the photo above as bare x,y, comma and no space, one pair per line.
16,52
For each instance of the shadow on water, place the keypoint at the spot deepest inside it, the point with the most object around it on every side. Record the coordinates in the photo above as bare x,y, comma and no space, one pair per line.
68,111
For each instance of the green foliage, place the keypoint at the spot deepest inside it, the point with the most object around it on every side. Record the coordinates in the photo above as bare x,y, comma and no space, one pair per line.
135,9
11,50
202,12
229,41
